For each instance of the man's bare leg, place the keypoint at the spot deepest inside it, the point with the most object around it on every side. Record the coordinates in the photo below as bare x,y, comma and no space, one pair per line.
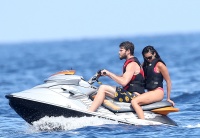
99,98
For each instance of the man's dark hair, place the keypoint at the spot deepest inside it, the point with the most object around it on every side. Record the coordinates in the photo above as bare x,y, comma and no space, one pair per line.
128,46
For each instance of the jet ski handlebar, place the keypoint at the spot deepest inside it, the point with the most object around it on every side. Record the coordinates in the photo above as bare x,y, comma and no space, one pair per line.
96,77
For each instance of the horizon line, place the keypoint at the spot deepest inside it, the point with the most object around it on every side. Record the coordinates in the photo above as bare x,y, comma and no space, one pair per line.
94,38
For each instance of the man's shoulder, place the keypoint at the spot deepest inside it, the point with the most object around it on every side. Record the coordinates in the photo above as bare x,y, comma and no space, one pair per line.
132,64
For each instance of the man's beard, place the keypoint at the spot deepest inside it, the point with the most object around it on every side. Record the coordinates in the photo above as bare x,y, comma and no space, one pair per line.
123,57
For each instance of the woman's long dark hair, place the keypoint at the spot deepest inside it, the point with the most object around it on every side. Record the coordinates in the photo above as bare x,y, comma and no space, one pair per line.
152,50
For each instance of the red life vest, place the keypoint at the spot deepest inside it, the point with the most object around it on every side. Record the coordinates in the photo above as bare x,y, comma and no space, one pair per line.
136,83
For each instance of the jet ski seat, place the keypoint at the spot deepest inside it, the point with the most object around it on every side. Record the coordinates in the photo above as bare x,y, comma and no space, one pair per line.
120,107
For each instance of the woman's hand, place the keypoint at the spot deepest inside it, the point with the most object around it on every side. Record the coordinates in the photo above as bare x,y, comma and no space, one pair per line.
171,102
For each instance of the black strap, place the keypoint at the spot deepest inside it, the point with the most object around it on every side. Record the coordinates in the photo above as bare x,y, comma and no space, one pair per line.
141,83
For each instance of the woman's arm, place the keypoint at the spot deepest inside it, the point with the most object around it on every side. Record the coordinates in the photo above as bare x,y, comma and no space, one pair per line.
164,71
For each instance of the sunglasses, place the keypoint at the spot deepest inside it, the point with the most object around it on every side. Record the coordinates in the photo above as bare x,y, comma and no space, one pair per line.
149,58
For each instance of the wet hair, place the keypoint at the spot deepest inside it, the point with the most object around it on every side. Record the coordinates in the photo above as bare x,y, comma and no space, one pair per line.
128,46
152,50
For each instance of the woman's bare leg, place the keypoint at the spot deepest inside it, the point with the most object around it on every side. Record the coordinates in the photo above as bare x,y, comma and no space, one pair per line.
99,98
146,98
137,109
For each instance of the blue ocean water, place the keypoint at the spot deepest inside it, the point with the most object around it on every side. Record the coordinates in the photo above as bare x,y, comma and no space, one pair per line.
25,65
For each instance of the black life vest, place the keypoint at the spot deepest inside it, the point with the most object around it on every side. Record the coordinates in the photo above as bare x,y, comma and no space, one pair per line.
137,81
153,80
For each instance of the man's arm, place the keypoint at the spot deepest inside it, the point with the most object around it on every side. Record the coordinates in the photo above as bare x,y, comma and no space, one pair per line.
126,77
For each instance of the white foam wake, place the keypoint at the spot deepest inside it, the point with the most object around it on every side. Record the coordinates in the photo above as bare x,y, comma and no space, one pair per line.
62,123
193,126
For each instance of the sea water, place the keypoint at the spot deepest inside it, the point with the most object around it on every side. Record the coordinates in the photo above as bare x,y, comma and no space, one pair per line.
25,65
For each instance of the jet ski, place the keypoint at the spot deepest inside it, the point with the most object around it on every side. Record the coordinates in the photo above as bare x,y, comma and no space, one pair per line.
67,94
